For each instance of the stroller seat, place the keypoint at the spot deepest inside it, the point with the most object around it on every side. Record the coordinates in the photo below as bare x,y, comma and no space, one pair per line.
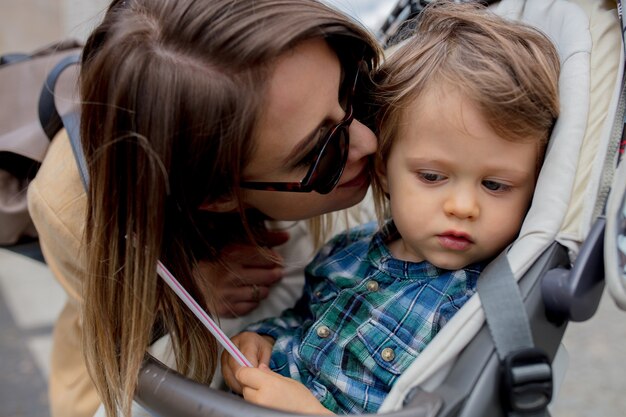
564,204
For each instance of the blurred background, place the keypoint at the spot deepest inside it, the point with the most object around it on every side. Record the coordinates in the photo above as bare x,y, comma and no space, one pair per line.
30,298
26,25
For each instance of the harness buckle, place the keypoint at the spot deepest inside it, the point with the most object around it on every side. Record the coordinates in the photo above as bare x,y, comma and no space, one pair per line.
526,384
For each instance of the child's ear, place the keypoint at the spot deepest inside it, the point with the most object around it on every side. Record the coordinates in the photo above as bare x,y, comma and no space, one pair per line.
381,174
226,204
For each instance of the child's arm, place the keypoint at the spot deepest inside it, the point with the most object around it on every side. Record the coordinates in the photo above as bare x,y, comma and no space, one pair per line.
263,387
256,348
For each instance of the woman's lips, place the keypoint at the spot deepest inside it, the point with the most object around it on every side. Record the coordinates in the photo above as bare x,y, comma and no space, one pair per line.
360,180
457,241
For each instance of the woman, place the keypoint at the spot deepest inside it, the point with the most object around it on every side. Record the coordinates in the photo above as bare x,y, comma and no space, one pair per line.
196,116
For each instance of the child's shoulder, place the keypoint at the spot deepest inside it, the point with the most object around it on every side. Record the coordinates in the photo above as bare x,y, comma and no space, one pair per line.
363,232
345,251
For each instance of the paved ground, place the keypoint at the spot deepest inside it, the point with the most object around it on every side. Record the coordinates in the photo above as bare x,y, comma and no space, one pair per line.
30,299
595,382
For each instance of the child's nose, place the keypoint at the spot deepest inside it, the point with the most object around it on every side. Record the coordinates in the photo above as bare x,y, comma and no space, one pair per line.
462,204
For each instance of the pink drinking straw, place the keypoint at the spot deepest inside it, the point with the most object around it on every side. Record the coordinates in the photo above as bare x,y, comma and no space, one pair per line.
201,315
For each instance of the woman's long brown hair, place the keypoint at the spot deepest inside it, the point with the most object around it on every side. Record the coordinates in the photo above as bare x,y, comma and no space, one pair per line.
171,91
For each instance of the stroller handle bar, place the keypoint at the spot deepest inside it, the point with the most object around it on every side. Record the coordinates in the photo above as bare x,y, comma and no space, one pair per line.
164,392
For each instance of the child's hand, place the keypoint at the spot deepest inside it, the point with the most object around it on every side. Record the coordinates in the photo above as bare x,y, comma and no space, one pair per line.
263,387
258,350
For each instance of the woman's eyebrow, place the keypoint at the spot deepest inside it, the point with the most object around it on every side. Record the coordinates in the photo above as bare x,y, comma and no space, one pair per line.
303,146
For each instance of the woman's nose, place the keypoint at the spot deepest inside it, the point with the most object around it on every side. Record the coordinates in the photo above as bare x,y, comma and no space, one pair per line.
363,141
462,203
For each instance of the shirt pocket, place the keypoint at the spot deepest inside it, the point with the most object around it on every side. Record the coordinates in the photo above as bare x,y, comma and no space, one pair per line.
380,352
321,295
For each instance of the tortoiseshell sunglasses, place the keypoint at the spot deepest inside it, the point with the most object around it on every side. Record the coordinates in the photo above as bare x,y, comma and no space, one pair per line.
332,155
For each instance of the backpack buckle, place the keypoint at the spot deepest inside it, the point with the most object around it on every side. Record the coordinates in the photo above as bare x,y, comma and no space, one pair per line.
526,384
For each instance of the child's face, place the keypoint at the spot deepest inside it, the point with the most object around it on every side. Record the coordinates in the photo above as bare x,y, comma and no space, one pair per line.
458,191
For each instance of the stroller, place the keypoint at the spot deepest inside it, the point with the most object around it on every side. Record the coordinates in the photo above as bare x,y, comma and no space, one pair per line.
498,355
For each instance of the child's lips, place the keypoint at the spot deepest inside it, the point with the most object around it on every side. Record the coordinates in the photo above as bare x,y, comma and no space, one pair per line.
455,240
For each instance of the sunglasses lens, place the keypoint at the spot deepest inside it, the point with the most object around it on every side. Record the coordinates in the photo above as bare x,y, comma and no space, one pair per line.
326,170
332,162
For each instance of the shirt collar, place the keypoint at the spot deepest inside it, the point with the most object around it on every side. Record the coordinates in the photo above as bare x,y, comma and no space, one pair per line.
381,257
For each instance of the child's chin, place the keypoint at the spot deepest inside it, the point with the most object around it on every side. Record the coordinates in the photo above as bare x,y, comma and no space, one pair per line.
451,264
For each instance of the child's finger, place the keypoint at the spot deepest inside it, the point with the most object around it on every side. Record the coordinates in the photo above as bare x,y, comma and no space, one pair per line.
251,352
231,381
264,358
253,377
249,377
250,394
229,367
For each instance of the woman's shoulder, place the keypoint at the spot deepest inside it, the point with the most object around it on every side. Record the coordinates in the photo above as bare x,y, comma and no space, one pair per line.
57,189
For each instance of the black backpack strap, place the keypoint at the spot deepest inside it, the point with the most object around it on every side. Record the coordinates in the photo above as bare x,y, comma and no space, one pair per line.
13,58
71,121
51,121
48,114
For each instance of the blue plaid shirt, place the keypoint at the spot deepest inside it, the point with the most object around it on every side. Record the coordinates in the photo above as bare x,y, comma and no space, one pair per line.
362,319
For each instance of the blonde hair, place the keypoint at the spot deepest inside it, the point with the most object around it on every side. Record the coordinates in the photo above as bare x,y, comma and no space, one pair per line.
508,69
171,93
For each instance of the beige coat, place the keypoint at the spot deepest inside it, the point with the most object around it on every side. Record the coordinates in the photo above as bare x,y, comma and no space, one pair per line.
56,201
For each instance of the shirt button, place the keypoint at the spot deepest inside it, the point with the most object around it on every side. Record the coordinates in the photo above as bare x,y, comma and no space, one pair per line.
388,354
323,332
372,286
317,294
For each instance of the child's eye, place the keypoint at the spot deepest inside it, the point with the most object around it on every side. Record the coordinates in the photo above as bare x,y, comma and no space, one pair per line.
496,186
430,177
